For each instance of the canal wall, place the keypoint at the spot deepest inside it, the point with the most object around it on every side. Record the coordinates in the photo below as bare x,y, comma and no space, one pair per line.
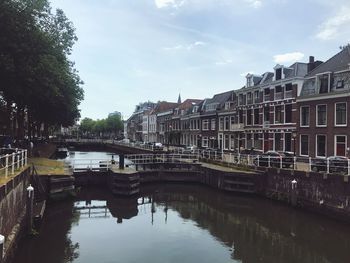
328,194
13,199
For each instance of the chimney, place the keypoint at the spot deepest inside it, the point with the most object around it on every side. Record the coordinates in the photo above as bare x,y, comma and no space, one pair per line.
311,65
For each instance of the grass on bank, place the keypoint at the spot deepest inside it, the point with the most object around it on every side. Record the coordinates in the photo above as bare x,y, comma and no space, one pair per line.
45,166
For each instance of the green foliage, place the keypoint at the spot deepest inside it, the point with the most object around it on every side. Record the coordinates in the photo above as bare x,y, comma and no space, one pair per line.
111,125
36,75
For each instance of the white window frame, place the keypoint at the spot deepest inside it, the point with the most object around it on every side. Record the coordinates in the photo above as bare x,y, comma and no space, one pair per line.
308,145
205,139
319,125
335,114
205,121
213,124
335,144
301,118
317,143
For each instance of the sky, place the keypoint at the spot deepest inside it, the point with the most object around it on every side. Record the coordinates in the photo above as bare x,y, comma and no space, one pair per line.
130,51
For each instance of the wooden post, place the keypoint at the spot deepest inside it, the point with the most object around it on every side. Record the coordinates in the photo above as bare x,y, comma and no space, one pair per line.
2,241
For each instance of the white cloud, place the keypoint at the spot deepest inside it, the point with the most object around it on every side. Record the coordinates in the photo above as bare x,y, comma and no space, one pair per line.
288,57
169,3
187,47
331,27
254,3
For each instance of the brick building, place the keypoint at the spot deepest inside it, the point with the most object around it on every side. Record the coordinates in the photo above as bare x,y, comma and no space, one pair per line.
323,107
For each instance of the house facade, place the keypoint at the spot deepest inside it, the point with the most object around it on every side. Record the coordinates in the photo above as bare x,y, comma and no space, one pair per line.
323,107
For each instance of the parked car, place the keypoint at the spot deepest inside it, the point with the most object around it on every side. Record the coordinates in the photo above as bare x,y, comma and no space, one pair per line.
275,159
190,149
158,146
337,164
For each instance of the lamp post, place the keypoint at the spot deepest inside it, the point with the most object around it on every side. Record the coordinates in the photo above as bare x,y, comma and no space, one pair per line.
294,135
2,241
30,201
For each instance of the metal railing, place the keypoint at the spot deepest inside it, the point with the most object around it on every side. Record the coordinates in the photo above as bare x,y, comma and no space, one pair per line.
97,165
161,158
12,160
331,165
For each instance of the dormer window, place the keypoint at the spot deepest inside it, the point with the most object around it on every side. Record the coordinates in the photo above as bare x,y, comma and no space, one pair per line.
340,84
227,105
324,84
250,82
279,72
195,109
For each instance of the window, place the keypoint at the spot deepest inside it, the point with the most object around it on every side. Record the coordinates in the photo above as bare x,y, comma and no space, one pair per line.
221,123
213,124
340,114
324,84
205,141
205,125
256,96
320,145
321,115
340,145
305,116
304,145
240,114
340,84
232,121
278,142
249,141
267,94
288,142
278,74
288,113
220,140
227,142
256,116
227,123
278,114
266,114
258,141
232,142
249,98
249,117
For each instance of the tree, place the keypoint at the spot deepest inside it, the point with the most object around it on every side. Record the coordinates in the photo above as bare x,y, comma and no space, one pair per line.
37,77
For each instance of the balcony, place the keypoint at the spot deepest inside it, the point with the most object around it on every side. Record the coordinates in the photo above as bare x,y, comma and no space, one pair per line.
267,97
237,127
289,94
279,96
266,124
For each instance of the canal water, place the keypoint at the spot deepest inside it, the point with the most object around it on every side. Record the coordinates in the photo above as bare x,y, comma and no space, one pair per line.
182,223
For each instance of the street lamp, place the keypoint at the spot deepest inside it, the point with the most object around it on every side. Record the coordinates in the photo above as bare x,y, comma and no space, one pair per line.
294,135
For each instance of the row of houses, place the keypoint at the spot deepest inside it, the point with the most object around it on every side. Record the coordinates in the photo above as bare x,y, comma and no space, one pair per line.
301,108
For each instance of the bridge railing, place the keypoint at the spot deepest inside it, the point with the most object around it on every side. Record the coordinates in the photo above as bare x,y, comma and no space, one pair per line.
79,165
12,160
161,158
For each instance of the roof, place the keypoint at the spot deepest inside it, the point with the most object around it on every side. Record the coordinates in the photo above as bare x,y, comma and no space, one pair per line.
339,61
164,106
187,104
220,98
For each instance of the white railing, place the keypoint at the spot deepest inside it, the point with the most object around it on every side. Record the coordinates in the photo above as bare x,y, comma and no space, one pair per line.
12,160
161,158
78,165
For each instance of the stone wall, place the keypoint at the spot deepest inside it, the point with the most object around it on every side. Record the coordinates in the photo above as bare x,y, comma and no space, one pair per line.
13,209
326,194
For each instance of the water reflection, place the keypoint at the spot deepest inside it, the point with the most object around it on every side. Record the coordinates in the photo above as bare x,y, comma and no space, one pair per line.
173,223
